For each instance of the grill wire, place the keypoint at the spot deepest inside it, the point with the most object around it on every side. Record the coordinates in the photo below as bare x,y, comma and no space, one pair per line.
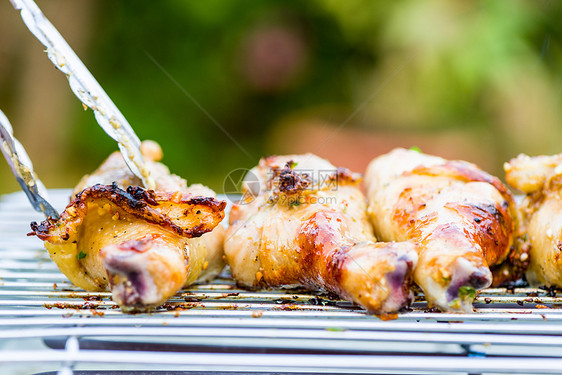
50,326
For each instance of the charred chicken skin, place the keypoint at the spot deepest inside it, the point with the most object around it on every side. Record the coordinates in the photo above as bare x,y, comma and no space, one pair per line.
303,222
143,245
540,178
462,219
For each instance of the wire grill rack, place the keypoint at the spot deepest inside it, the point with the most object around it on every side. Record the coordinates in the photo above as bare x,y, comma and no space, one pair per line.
48,326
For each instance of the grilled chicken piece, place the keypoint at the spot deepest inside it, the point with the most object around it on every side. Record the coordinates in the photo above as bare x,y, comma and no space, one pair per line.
303,222
540,178
462,218
142,245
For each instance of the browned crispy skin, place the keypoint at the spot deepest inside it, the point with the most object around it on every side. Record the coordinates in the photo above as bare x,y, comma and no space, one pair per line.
462,218
334,262
187,215
487,224
141,244
301,230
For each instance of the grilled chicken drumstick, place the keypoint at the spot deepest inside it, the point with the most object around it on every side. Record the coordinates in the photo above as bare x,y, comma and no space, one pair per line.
303,222
540,178
144,245
462,218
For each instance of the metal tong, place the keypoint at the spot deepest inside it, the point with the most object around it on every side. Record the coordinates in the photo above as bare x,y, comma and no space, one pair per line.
22,168
86,88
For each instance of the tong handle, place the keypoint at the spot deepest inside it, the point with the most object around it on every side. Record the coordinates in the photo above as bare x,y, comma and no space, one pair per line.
86,88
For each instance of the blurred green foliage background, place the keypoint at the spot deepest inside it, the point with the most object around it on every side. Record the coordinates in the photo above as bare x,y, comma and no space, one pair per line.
221,83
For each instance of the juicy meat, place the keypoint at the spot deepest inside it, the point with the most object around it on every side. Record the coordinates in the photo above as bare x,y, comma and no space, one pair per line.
303,222
540,178
143,245
462,218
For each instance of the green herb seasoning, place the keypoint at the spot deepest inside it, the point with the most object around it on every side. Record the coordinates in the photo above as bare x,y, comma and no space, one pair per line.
467,291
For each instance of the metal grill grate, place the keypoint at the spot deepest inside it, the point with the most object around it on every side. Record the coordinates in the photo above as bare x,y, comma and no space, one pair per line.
48,325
